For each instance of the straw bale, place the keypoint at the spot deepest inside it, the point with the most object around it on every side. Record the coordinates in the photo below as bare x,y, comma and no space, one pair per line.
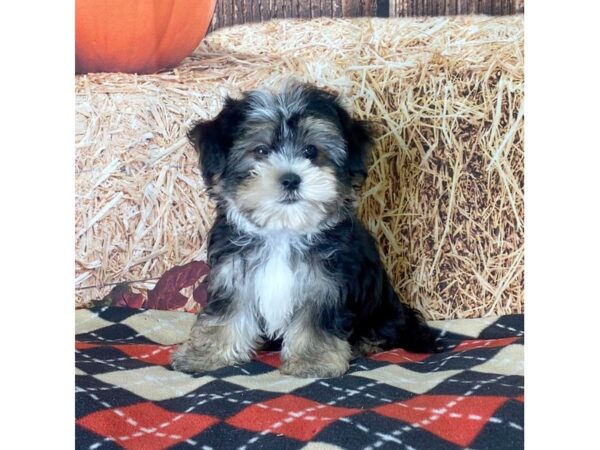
444,196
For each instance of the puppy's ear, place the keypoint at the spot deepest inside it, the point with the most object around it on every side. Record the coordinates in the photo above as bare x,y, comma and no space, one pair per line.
359,139
213,139
359,136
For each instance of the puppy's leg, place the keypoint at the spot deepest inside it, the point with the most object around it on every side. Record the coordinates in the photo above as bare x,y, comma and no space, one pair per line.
365,347
216,342
311,352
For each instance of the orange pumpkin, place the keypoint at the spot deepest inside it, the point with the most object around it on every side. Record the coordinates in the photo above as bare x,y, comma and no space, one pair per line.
137,36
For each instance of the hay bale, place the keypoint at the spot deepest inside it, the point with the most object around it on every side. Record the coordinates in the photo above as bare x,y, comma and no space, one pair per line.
444,196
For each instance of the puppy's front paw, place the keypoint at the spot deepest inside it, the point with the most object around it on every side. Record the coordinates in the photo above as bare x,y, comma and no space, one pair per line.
189,359
314,369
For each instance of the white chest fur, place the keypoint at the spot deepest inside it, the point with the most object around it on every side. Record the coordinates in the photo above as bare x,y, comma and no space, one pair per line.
276,286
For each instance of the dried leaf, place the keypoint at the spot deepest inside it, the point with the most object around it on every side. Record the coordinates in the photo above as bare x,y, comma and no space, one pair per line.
122,295
166,295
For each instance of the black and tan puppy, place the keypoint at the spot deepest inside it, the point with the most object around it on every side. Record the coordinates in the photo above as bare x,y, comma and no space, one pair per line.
289,258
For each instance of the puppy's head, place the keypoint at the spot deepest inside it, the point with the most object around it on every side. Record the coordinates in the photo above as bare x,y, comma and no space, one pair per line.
288,160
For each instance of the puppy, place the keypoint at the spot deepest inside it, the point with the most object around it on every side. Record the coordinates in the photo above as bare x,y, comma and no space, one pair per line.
289,259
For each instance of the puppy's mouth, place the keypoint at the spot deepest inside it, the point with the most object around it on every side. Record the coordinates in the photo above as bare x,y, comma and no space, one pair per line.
290,200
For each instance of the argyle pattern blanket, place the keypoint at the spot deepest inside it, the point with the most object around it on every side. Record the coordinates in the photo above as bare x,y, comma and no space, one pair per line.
470,395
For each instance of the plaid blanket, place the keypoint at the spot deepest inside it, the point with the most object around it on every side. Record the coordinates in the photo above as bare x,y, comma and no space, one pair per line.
469,395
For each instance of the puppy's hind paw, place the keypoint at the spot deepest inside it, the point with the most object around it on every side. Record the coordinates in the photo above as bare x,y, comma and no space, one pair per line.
189,360
314,369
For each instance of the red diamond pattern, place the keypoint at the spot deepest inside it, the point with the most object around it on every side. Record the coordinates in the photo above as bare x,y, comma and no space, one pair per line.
399,356
84,345
488,343
289,415
153,354
270,358
145,426
456,419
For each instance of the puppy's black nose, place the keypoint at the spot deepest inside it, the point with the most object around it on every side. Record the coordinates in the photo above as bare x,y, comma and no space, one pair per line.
290,181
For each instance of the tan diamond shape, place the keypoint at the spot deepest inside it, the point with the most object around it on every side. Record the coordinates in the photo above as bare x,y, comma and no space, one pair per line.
508,361
87,321
164,327
406,379
271,381
466,327
320,446
154,383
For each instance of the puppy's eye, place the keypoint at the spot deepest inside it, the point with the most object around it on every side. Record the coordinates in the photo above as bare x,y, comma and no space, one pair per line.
310,152
262,150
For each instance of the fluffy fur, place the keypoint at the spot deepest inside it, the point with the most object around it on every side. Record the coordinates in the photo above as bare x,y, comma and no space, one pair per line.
290,261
